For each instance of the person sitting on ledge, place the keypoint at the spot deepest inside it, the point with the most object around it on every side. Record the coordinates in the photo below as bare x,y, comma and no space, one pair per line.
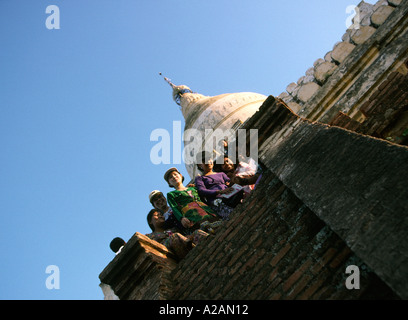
246,174
174,241
117,245
214,186
159,201
187,206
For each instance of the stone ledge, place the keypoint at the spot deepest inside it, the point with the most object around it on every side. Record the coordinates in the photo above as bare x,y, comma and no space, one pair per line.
140,270
354,183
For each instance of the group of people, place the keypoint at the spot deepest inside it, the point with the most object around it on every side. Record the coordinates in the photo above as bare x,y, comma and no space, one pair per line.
191,213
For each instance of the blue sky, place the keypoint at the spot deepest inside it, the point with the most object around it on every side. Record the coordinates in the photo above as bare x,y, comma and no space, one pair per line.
78,104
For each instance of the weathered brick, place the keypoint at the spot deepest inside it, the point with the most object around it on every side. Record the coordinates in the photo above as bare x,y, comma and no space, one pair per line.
300,285
257,215
230,284
296,275
237,255
273,274
314,285
276,281
254,282
280,255
317,267
392,75
323,293
276,296
344,254
368,107
375,95
330,253
237,266
258,243
252,260
203,266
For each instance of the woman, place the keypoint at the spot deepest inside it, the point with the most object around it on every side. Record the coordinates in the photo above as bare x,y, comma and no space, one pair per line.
214,186
174,241
186,203
245,174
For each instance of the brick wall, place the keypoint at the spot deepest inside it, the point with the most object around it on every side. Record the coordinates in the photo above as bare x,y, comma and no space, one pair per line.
386,111
141,271
274,247
320,200
340,80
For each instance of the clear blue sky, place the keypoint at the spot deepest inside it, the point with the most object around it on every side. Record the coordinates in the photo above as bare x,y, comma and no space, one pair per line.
78,104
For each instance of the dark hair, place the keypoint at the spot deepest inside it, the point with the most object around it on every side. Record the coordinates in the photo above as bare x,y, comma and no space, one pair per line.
168,172
149,218
116,243
220,162
202,158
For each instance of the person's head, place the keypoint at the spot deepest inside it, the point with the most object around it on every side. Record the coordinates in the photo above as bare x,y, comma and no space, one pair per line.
155,219
116,244
158,200
224,164
205,162
173,177
228,165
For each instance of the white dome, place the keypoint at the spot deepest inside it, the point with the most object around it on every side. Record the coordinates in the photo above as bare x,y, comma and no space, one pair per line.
223,112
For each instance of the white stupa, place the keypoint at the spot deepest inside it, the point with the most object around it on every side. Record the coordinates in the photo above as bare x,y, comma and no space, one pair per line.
226,111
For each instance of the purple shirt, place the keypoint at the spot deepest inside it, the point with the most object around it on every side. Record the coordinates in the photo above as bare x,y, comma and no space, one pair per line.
207,186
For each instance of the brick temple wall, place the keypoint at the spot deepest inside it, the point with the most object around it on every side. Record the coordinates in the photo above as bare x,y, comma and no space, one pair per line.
278,247
141,271
371,50
329,198
385,111
274,247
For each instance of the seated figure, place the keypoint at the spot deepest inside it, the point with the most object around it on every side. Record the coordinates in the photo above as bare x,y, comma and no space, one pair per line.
187,205
159,201
246,174
215,187
173,240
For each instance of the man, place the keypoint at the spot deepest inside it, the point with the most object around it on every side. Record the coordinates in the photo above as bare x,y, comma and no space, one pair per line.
179,244
159,202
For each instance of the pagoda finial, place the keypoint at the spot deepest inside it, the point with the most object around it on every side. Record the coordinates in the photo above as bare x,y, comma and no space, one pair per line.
168,80
178,91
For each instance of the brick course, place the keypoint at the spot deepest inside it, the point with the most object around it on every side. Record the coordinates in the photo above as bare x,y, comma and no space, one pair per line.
386,111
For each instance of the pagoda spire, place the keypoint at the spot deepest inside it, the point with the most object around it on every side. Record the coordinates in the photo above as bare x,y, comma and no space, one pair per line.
178,91
168,81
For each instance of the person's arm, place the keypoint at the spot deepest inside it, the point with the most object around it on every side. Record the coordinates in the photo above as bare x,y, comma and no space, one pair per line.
202,189
246,180
227,179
